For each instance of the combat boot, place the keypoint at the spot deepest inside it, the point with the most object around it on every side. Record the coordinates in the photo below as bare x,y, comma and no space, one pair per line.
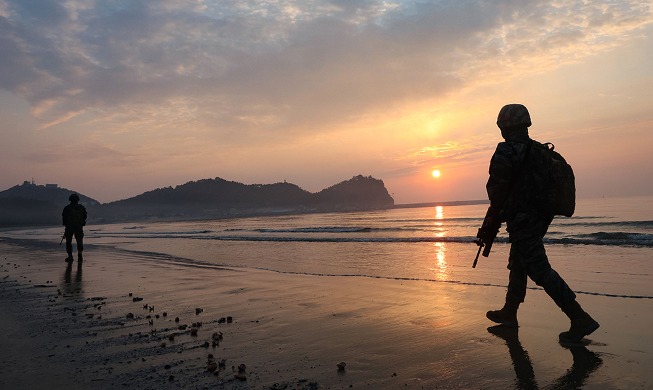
582,324
69,259
506,316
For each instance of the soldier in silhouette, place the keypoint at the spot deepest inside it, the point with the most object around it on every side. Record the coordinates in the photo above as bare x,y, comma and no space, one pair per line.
74,219
515,182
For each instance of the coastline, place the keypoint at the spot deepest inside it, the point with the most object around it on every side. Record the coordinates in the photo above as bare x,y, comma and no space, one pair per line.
208,215
71,327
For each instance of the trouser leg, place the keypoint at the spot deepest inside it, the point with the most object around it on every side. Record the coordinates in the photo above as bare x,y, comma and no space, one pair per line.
536,264
507,315
517,278
69,241
79,238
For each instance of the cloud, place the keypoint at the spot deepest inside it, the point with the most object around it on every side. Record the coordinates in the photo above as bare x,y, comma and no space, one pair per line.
269,69
81,153
469,151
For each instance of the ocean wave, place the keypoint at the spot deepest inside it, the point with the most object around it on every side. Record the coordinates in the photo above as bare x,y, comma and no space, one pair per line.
321,229
615,238
632,224
599,238
262,238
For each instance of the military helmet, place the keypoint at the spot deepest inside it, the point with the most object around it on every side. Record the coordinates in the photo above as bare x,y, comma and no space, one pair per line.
513,115
73,198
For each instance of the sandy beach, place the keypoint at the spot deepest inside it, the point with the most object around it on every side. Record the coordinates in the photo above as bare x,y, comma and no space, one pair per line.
141,320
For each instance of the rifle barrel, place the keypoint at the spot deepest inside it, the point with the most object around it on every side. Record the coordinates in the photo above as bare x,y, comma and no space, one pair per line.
477,253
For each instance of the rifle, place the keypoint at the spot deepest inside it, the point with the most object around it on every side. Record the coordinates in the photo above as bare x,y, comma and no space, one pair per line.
62,237
487,233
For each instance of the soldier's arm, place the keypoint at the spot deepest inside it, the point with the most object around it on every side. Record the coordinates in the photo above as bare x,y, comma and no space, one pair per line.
498,184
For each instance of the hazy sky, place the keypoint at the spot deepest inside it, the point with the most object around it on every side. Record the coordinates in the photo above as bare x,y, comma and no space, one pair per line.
114,98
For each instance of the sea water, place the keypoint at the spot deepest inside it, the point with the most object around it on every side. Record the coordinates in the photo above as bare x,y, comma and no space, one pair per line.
604,249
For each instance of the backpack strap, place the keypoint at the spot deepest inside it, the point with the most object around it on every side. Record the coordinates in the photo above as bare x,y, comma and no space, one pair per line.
524,160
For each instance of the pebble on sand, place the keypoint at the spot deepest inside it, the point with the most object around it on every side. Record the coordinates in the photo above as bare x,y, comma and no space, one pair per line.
241,375
341,366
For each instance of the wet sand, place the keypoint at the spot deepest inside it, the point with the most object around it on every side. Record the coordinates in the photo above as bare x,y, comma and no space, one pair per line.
110,322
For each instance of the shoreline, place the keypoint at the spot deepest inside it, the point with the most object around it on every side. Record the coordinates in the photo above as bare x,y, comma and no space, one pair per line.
208,216
71,327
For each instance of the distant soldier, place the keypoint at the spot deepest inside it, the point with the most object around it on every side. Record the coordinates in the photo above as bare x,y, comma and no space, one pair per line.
513,189
74,219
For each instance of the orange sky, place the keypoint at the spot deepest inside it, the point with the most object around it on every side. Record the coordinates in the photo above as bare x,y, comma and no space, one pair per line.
116,99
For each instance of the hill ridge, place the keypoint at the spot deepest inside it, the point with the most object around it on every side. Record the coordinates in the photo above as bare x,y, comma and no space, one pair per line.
201,199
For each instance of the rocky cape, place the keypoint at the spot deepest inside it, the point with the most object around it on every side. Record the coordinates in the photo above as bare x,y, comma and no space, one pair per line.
30,204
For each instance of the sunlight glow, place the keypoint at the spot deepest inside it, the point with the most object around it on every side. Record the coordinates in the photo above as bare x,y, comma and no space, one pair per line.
436,173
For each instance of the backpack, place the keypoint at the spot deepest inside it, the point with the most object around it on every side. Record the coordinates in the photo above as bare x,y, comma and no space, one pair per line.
76,216
560,194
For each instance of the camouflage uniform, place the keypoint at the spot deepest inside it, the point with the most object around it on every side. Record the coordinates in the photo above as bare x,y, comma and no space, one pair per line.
515,189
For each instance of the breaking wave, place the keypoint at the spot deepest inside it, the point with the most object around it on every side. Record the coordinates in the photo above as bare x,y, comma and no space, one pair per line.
345,235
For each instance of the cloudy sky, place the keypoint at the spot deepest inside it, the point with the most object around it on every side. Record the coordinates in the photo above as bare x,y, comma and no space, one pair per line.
116,97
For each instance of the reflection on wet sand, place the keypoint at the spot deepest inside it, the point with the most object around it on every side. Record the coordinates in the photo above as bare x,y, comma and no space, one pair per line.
585,362
72,285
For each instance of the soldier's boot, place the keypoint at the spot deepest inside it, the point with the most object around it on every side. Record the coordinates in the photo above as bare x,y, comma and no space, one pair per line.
506,316
582,324
69,259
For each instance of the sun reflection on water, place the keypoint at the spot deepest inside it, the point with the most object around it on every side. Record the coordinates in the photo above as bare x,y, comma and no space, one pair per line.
440,267
439,212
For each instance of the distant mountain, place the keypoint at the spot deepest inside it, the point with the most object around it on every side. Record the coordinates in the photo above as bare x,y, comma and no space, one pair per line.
220,192
30,204
358,193
217,198
47,192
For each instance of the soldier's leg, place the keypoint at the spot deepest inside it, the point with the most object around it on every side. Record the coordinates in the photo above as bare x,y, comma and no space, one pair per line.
68,234
517,278
79,238
507,315
538,268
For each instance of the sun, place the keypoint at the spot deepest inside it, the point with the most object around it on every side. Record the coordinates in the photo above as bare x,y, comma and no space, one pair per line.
436,173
